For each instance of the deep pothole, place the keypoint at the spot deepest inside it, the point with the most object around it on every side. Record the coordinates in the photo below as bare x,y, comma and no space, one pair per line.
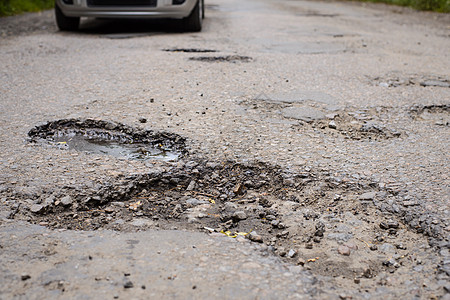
323,222
109,138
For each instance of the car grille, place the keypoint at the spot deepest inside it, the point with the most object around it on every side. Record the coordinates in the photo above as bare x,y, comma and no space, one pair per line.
151,3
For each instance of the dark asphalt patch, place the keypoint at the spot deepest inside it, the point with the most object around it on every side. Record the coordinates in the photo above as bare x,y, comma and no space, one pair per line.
190,50
317,14
436,83
229,58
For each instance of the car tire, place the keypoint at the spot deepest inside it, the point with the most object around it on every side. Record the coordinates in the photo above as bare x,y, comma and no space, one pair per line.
66,23
193,23
203,9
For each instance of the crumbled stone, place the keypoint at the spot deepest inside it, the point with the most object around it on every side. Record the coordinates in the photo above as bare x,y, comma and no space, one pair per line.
367,273
367,196
37,208
238,189
66,200
191,186
239,215
390,224
255,237
281,225
281,251
195,201
283,234
270,217
344,250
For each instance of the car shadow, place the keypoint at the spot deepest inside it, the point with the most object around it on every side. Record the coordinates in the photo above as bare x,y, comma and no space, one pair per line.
128,28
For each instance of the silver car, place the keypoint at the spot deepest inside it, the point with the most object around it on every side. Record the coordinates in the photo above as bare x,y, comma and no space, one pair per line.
190,12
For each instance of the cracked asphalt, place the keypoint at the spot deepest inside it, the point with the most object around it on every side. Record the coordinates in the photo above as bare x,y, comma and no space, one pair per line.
321,126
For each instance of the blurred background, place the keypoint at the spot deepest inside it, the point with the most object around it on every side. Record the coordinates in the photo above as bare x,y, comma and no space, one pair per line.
14,7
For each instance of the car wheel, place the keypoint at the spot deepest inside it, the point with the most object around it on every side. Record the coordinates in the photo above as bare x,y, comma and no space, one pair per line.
193,22
66,23
203,9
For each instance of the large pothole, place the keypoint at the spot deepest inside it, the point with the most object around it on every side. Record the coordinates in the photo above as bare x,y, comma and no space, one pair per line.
331,225
357,232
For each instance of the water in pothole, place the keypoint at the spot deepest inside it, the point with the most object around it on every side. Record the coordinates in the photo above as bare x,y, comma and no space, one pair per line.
95,145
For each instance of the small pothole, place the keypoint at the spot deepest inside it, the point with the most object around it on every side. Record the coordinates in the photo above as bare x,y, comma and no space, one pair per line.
316,14
101,137
359,125
435,113
395,80
190,50
433,108
323,113
228,58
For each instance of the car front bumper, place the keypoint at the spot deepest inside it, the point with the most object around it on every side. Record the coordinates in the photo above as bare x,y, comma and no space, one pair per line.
162,9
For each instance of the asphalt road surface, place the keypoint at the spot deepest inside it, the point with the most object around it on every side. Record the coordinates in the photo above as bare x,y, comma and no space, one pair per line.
291,150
